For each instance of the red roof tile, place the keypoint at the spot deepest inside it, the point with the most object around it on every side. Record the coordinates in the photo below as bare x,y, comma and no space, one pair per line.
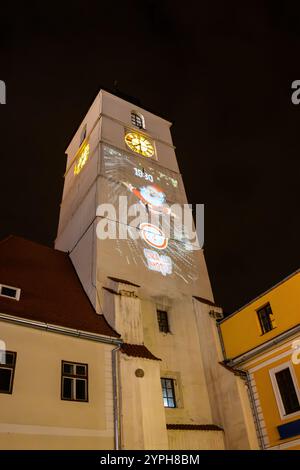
51,291
137,350
195,427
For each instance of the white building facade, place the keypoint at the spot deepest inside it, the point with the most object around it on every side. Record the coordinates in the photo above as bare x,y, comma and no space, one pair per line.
153,290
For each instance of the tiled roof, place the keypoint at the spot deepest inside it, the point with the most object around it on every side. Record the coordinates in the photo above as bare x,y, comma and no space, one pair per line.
51,291
137,350
195,427
238,372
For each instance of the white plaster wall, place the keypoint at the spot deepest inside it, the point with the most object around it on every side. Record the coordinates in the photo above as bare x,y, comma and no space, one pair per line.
124,314
120,110
180,353
196,440
143,417
34,416
90,119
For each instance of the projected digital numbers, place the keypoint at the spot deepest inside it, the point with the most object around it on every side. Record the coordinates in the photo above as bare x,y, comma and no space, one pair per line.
142,174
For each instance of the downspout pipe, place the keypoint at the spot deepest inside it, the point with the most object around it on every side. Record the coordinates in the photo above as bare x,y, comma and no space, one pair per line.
255,412
116,406
245,375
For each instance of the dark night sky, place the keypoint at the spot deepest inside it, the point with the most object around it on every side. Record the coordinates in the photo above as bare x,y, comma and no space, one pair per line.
221,71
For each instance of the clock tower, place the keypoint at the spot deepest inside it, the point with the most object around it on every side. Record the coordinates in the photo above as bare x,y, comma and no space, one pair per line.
149,280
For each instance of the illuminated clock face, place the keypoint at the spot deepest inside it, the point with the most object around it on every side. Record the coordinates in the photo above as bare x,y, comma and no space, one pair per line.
139,144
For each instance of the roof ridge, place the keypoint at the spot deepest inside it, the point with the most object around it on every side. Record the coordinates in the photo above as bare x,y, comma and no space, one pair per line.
5,239
27,240
87,297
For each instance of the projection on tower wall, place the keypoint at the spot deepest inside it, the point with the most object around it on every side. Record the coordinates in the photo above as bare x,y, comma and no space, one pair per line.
160,243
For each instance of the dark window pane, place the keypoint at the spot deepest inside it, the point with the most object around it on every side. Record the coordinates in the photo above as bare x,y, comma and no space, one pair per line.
80,370
171,403
80,389
9,292
68,368
67,387
287,391
162,318
5,380
9,358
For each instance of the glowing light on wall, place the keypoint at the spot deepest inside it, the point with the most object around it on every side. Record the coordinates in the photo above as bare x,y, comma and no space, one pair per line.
154,236
156,262
139,144
82,159
166,249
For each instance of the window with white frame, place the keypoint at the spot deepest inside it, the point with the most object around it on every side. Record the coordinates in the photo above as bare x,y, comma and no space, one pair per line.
286,389
168,390
10,292
74,381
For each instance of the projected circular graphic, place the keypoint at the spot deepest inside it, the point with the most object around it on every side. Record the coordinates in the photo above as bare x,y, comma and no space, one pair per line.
152,197
154,236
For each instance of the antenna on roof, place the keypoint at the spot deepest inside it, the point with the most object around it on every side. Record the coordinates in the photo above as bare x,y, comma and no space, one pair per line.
116,88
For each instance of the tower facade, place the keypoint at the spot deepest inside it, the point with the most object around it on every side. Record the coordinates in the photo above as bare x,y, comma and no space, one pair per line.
151,285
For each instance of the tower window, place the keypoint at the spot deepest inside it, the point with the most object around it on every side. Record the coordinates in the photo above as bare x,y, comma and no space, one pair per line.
163,323
7,371
74,381
10,292
265,320
138,120
82,135
168,392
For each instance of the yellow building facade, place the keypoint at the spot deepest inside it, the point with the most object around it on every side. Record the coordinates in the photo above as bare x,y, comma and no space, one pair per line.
261,341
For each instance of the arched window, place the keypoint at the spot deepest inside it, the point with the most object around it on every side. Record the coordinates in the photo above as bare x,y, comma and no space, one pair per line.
137,120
